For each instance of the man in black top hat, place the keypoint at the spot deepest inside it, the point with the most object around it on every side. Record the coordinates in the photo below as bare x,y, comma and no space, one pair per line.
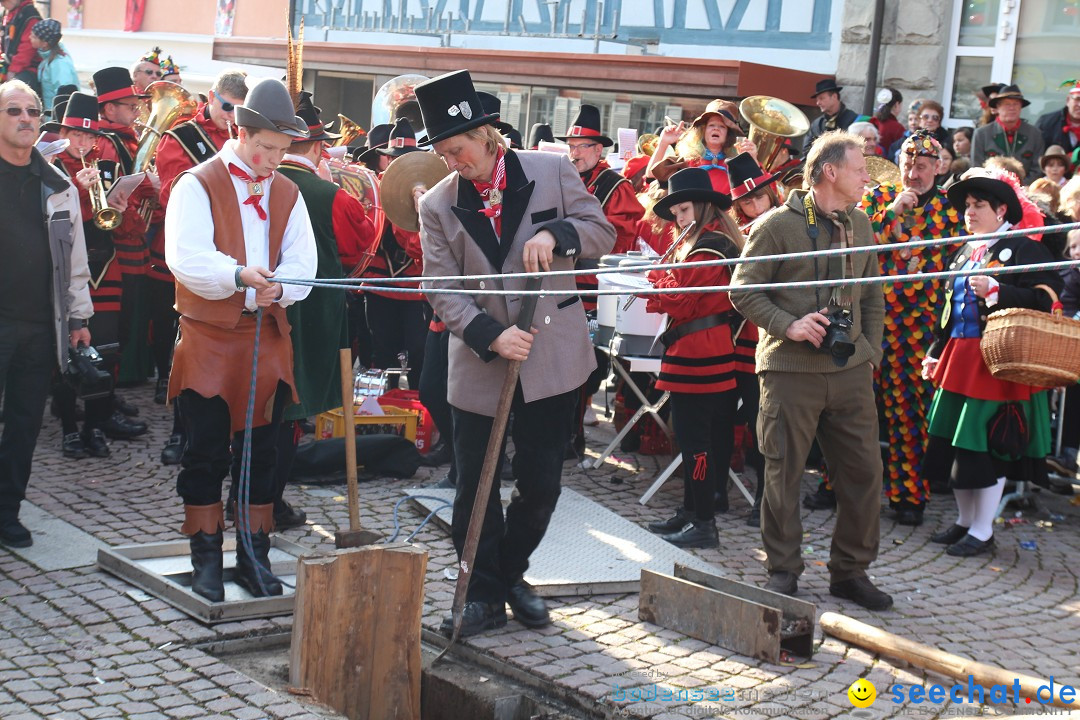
540,132
377,138
1009,135
834,114
502,211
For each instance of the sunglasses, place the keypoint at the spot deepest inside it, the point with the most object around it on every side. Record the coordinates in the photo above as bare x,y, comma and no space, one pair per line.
225,106
17,111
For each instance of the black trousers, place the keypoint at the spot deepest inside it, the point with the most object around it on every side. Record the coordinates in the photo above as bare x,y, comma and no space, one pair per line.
207,457
541,430
27,362
398,326
161,296
749,390
705,428
359,333
433,382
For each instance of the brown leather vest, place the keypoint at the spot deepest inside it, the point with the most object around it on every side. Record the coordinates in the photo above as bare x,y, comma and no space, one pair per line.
229,239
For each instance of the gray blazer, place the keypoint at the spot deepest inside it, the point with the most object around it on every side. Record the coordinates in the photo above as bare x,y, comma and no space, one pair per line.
543,191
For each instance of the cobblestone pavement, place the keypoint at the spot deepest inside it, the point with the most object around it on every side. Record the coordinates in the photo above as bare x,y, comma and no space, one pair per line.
79,644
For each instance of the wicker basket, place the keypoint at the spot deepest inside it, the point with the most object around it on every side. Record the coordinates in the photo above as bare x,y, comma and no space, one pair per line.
1032,347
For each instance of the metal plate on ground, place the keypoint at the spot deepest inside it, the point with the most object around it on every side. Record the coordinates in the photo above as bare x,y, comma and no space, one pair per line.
588,549
163,569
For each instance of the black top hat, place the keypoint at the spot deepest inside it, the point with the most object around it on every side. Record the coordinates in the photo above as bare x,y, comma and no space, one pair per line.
514,137
746,175
493,106
690,185
78,112
309,113
114,83
991,90
979,179
587,125
268,106
402,140
1008,92
824,86
450,106
377,137
540,131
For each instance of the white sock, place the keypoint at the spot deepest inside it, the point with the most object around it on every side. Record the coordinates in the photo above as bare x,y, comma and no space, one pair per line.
965,507
986,505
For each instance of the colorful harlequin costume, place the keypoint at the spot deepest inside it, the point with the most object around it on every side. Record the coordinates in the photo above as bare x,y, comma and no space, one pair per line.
910,310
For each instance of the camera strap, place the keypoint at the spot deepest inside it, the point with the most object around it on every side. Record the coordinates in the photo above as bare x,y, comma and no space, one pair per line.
839,266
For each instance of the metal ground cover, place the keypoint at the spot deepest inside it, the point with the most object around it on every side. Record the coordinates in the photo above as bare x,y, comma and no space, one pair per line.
163,569
588,549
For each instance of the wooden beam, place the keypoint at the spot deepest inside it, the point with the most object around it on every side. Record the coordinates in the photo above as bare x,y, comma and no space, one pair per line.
356,630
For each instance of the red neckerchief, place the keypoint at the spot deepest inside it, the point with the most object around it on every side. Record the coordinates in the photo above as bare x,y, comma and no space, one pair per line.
1070,128
498,184
1009,134
255,189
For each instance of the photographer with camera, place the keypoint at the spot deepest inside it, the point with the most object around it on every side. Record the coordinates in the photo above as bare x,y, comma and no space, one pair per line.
815,360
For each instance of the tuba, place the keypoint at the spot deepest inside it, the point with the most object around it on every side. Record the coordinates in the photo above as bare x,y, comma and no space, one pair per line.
397,98
170,105
771,121
350,131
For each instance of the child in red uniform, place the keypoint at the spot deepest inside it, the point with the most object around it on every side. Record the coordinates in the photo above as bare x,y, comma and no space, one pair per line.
699,361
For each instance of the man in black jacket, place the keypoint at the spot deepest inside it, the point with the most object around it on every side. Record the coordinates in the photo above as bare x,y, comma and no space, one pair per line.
834,114
1062,127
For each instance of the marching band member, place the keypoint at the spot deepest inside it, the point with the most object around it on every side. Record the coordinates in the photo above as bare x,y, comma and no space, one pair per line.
699,366
231,223
704,143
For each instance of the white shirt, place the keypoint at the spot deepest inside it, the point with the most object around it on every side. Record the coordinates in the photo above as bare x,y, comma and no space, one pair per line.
209,273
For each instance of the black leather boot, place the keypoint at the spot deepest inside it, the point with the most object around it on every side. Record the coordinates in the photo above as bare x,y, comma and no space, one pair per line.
203,525
672,524
255,566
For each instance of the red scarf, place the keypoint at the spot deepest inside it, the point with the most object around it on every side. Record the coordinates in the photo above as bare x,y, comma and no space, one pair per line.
254,184
1071,129
498,183
1009,134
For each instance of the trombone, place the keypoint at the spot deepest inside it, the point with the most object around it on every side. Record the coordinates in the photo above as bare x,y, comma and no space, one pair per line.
105,217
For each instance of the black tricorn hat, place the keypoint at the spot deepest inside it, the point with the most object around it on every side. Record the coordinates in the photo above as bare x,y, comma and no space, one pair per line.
690,185
991,90
540,131
493,106
309,113
79,112
377,137
587,125
1008,92
114,83
824,86
514,137
450,106
402,140
746,175
62,92
980,179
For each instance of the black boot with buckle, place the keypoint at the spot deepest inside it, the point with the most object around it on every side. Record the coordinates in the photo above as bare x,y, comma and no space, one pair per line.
204,527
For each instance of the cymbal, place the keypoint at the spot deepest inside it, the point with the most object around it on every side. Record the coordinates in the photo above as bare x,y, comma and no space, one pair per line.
404,174
882,170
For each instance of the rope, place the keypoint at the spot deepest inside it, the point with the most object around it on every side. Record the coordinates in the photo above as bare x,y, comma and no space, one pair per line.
444,503
877,280
377,283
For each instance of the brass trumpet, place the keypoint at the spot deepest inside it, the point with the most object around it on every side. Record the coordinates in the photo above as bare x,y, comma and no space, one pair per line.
105,217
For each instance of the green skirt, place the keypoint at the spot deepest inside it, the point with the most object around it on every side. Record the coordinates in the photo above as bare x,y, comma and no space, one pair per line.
963,421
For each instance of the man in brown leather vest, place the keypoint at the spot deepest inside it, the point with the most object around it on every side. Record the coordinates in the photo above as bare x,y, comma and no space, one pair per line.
231,223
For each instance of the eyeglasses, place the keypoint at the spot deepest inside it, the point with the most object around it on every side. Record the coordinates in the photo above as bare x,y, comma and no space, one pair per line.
155,73
134,107
225,106
929,117
17,111
583,146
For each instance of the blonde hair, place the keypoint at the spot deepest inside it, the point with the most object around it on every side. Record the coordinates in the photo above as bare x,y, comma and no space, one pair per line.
1004,162
1070,197
691,145
1047,190
487,135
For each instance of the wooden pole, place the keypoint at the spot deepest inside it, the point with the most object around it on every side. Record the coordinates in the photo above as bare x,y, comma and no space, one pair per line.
355,536
928,658
356,630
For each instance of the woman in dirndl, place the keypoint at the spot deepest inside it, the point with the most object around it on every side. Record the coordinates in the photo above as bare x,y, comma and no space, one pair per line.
699,363
983,430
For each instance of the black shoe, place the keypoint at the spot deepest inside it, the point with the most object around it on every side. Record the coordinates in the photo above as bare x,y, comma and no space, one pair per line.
911,515
821,499
249,570
440,454
575,449
529,608
673,524
970,545
173,450
447,481
73,446
124,407
754,518
94,442
161,391
862,592
783,582
286,516
953,535
476,617
696,534
14,534
206,565
119,427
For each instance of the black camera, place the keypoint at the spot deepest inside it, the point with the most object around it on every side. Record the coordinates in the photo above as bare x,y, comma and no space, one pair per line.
838,342
84,373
